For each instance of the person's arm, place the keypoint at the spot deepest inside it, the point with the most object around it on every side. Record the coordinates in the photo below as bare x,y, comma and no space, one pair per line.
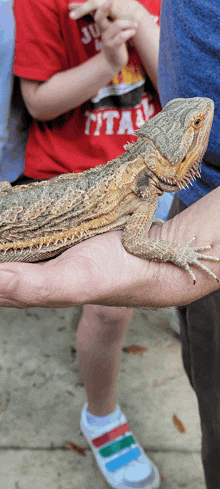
71,88
100,271
146,39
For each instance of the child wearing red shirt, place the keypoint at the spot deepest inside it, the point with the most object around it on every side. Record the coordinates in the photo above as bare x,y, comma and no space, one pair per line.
87,91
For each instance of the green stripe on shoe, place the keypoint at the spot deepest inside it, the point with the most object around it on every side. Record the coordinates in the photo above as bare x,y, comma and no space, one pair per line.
115,447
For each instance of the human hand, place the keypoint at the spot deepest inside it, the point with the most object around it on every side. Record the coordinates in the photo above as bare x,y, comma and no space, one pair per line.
114,36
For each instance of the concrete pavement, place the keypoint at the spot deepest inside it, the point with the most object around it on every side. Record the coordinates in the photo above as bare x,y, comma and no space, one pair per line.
41,397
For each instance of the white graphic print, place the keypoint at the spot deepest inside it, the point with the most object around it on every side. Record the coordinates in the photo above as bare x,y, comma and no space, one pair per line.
91,33
112,122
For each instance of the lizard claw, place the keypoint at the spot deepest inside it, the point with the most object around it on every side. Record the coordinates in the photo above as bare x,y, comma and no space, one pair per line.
156,220
192,256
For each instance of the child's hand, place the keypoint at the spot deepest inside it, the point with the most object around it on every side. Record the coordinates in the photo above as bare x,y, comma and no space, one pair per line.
119,9
114,36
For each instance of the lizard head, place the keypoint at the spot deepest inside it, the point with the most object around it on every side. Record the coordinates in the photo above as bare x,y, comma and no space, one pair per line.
176,140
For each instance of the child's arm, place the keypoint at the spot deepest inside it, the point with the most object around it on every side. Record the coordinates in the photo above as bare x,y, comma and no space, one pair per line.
69,89
146,39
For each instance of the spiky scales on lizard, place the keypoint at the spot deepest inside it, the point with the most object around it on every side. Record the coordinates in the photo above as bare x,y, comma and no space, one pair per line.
41,220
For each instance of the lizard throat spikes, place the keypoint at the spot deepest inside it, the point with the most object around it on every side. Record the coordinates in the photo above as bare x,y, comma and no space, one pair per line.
193,173
41,220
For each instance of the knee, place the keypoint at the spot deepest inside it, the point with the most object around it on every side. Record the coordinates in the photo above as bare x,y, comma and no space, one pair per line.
112,316
106,325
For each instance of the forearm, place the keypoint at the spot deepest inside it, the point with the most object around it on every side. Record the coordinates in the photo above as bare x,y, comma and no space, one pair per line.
100,271
146,39
68,89
146,42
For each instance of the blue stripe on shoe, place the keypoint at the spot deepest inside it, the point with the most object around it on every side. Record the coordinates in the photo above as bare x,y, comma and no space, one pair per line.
119,462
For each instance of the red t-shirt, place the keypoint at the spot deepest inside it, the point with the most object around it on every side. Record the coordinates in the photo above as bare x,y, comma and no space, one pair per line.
48,42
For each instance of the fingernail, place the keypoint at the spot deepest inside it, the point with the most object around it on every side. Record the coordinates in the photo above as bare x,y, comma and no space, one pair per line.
72,15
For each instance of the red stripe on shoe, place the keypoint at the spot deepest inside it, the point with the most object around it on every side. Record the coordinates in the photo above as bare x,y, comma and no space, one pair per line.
111,435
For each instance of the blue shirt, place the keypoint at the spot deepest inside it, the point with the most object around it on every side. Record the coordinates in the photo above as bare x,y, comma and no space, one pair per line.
189,66
11,150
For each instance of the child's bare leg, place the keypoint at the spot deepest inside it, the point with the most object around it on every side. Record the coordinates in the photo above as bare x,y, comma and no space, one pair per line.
100,336
99,344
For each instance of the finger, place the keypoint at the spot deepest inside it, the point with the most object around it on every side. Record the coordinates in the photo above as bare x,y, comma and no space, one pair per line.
74,5
120,26
122,37
102,14
78,10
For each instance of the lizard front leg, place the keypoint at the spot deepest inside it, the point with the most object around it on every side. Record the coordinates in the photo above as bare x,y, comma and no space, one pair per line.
182,255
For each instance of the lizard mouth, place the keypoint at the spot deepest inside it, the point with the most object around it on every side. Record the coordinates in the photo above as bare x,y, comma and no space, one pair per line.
186,172
179,175
174,183
193,172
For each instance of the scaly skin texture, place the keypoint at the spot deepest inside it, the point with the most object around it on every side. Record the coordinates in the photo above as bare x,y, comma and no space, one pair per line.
41,220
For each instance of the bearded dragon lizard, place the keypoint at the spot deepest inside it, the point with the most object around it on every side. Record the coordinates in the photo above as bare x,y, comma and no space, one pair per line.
41,220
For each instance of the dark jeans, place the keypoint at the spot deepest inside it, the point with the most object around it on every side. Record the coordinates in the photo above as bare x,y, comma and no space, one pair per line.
200,334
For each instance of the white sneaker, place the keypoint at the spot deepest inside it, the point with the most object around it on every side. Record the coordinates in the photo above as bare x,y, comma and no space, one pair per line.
120,458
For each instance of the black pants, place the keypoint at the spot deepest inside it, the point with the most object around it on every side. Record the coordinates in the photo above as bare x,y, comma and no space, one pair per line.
200,334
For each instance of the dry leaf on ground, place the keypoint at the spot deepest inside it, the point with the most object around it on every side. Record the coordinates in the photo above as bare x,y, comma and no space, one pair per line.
5,403
157,383
135,349
179,425
75,448
164,477
2,405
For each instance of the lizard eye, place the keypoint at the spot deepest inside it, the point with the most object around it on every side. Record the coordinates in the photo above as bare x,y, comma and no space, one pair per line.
198,123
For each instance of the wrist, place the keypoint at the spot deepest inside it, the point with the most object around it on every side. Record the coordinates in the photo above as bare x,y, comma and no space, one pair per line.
109,69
